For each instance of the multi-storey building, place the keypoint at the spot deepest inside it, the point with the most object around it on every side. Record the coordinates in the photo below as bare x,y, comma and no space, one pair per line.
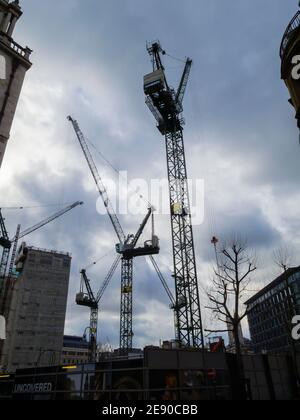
75,350
36,310
270,313
14,63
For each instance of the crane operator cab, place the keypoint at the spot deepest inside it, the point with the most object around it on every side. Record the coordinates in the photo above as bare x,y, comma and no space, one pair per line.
82,299
154,82
151,247
85,298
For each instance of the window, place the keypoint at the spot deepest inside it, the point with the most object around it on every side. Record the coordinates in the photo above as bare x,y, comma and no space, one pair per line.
2,68
46,261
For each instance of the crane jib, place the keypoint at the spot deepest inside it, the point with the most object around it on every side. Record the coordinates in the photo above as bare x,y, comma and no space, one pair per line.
99,183
48,220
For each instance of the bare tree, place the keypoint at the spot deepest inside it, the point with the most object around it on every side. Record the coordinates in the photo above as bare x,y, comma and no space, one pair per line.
232,277
283,258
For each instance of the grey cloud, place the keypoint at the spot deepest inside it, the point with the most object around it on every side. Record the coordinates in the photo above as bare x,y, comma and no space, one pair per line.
236,110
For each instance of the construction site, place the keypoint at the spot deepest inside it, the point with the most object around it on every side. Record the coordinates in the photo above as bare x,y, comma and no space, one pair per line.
146,305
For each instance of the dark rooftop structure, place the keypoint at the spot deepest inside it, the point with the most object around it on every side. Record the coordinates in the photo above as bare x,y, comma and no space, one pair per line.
289,49
72,341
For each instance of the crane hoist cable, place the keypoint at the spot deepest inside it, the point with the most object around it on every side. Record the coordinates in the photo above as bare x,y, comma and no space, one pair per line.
97,261
175,58
118,172
163,281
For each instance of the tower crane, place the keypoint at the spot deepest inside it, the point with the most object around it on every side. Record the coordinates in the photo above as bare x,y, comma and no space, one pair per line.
7,244
166,104
127,246
87,298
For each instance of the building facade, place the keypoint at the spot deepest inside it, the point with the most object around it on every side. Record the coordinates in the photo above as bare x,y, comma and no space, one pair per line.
14,63
37,310
289,54
75,350
159,375
270,313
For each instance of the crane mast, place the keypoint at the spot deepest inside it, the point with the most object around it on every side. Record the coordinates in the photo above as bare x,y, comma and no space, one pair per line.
166,106
6,244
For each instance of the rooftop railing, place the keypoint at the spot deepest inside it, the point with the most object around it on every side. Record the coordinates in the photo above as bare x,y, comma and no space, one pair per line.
289,33
52,251
23,52
18,49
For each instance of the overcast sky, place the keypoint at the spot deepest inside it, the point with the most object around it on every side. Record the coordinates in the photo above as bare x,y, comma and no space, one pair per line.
89,60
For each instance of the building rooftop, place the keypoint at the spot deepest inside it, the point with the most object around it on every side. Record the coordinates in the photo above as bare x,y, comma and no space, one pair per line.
289,34
52,251
283,277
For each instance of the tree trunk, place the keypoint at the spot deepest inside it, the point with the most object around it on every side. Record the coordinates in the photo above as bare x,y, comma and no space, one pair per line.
239,357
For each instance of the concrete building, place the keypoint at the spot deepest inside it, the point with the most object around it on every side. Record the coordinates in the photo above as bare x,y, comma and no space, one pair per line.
37,309
75,350
14,63
271,312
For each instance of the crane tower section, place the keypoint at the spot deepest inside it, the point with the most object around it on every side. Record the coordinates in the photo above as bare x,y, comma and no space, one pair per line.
165,103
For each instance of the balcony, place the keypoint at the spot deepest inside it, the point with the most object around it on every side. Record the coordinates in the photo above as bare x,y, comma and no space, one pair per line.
289,34
23,52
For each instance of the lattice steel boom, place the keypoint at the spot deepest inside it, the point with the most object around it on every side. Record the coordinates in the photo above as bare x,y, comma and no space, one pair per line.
98,180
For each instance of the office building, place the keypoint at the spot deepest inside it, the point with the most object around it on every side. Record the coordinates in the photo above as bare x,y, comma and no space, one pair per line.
270,313
75,350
